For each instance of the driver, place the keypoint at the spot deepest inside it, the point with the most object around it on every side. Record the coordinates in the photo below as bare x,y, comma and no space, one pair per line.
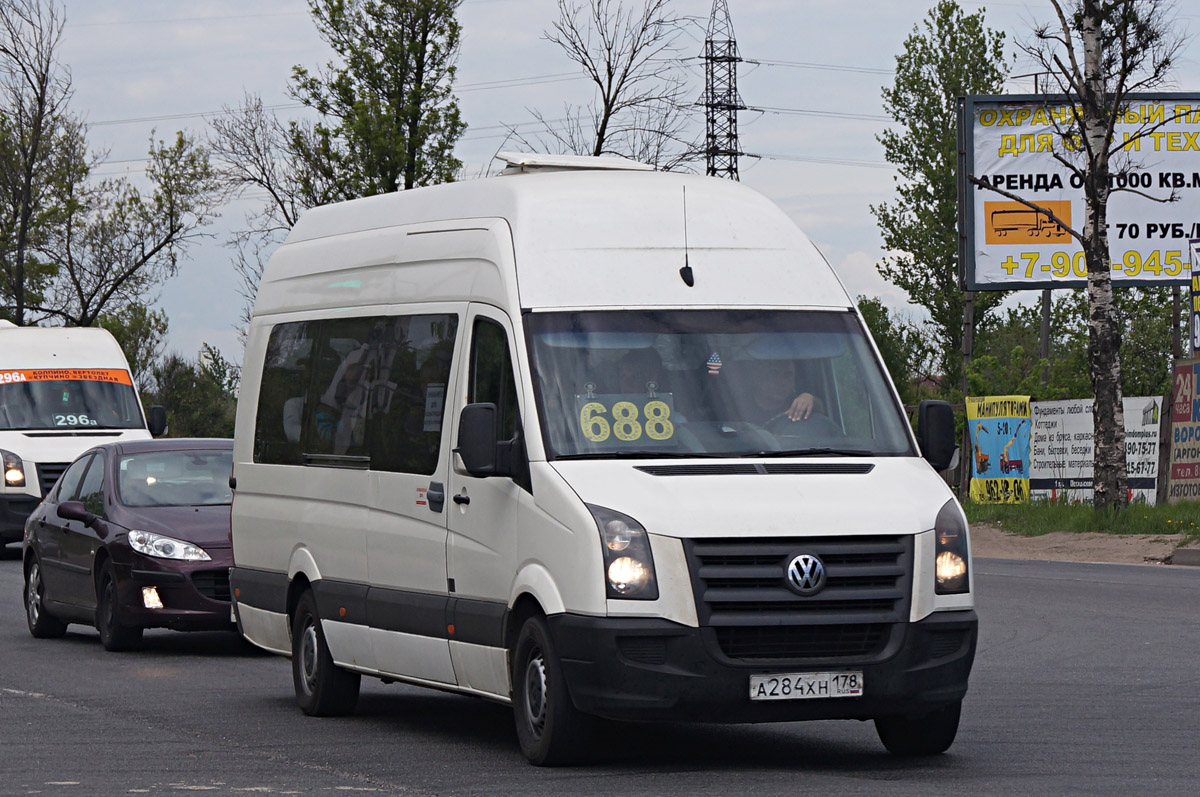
772,388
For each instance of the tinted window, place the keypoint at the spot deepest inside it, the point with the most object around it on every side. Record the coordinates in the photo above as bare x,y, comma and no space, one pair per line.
372,387
91,491
69,483
492,376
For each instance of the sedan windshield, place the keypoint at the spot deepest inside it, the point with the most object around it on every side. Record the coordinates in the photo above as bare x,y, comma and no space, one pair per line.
88,399
198,477
730,383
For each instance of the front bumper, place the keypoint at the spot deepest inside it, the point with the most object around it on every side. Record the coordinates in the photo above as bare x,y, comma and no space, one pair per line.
646,669
14,511
195,596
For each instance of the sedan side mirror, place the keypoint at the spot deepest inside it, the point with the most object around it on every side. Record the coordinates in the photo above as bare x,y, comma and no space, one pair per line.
935,433
73,510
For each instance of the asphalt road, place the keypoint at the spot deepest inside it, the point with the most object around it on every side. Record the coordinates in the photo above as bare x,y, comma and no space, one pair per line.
1087,681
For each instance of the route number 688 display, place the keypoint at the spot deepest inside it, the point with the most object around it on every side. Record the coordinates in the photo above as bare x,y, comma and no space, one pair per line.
618,418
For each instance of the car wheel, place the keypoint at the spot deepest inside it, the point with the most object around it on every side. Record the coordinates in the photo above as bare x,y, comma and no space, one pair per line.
549,727
42,624
925,734
113,634
322,688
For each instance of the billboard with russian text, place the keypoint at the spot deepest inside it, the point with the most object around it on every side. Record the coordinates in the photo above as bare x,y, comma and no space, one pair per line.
1012,144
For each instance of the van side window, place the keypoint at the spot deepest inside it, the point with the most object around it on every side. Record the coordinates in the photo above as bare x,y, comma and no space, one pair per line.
349,359
492,376
283,395
408,402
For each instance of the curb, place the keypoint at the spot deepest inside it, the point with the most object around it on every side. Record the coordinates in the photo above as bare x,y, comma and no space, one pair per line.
1185,556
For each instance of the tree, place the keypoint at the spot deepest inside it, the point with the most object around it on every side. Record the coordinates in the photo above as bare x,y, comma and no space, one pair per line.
200,398
113,245
955,55
1099,52
907,352
141,333
40,143
394,116
641,107
388,121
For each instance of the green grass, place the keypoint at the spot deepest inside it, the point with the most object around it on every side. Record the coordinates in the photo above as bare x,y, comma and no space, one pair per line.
1035,519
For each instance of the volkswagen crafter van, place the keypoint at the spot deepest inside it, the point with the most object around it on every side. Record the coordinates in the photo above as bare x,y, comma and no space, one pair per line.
62,391
592,441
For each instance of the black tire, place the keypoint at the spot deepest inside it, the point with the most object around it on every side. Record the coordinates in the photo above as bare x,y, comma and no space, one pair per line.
322,688
550,729
114,634
920,735
42,624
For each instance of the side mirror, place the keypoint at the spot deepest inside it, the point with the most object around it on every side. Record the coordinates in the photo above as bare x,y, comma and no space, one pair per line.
73,510
477,439
158,421
935,433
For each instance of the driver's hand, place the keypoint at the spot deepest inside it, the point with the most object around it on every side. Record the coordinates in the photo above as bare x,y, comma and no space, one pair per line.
802,407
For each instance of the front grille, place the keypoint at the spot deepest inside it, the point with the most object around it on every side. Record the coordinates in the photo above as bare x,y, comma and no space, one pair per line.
212,584
646,650
48,473
803,641
741,591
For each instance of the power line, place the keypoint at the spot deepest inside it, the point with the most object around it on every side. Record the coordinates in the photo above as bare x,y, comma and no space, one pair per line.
815,159
823,114
865,70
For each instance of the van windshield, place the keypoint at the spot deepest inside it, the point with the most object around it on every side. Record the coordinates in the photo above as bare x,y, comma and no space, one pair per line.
727,383
84,399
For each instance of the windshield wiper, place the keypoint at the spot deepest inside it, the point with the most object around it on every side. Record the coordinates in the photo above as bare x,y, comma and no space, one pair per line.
818,452
641,454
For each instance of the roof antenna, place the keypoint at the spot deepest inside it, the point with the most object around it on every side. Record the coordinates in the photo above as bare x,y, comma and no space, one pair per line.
686,272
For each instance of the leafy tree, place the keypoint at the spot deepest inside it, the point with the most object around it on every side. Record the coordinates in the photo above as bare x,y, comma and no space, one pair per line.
907,352
955,55
199,397
41,144
141,333
641,106
1099,52
388,120
113,245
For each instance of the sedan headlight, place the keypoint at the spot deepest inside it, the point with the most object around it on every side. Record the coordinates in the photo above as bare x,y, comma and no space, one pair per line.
14,469
157,545
950,563
628,563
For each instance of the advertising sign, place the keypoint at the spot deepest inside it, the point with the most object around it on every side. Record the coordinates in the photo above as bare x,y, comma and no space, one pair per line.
1185,433
1194,248
1062,454
1011,142
999,427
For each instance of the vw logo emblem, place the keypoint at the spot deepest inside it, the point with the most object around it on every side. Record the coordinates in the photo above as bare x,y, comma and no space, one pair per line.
806,574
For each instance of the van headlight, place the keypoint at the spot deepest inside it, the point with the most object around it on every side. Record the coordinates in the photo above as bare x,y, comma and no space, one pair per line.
157,545
14,469
628,563
950,563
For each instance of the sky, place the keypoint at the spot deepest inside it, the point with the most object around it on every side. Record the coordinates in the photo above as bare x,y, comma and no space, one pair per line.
143,68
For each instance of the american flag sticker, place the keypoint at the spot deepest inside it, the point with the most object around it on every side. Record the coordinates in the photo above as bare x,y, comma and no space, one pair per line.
714,364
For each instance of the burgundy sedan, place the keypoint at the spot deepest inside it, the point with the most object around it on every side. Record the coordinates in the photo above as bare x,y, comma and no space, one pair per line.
134,535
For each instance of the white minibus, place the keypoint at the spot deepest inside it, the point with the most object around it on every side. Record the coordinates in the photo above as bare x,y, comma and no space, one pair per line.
600,443
62,391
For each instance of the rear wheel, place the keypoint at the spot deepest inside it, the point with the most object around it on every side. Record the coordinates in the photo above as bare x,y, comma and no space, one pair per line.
113,634
917,735
322,688
549,727
42,624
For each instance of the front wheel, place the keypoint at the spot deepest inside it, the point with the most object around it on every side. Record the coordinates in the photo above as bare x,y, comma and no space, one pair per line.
42,624
114,635
322,688
549,727
924,734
